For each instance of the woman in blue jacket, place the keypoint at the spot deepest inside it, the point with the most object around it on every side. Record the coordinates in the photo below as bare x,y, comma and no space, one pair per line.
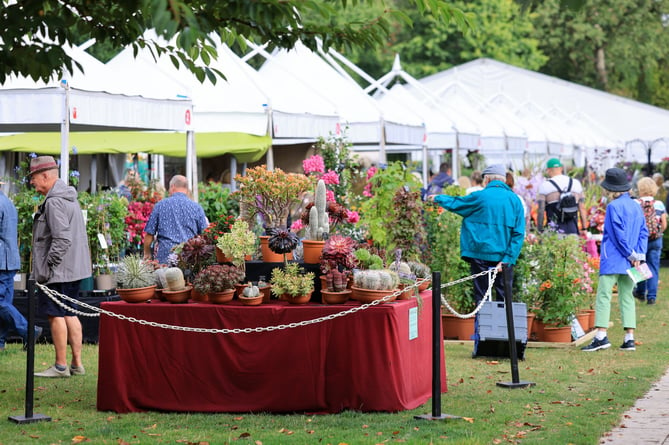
623,246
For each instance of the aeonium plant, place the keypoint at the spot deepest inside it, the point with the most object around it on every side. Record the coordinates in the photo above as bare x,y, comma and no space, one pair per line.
282,241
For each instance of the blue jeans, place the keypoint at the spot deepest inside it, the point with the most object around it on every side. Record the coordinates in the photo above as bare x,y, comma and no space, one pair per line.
648,288
10,317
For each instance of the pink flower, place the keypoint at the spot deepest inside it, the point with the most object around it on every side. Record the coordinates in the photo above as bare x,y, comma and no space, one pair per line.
313,164
331,177
329,195
352,216
296,226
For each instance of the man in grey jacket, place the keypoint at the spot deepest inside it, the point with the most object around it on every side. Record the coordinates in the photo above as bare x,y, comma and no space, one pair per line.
61,259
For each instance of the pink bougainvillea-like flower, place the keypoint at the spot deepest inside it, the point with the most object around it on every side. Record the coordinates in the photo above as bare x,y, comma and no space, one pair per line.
330,196
367,191
330,178
352,216
297,225
313,164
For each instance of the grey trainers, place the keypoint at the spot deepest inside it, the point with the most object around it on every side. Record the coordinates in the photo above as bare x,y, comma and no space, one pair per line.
53,372
77,370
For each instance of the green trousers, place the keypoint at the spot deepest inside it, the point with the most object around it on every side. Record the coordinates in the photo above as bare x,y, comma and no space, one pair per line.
625,299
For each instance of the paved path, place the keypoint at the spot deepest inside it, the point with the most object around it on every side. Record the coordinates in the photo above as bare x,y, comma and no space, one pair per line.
647,422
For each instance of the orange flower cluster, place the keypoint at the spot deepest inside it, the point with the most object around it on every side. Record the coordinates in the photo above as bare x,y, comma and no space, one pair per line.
545,285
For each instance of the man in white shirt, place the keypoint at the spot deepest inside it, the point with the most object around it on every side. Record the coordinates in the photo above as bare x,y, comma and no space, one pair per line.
549,195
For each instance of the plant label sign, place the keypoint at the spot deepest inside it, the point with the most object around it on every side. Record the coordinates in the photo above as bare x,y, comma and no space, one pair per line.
413,323
103,240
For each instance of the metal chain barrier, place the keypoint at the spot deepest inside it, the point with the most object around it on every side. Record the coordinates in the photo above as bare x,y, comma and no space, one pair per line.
492,275
96,311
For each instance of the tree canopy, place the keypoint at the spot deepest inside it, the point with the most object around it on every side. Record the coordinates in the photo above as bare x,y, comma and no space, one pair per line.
34,32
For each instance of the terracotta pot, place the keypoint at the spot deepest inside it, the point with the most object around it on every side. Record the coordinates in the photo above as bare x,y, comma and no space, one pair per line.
178,296
137,295
220,256
456,328
270,257
424,285
335,297
266,292
530,324
221,297
557,335
408,293
239,288
591,315
251,301
300,299
365,296
198,297
538,330
584,320
312,251
158,295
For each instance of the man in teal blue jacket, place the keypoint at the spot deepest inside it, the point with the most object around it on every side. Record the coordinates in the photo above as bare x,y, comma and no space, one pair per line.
493,228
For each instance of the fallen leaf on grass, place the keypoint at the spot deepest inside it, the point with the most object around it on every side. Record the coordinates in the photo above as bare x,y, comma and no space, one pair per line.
245,435
365,426
492,362
468,419
557,402
237,418
79,439
637,342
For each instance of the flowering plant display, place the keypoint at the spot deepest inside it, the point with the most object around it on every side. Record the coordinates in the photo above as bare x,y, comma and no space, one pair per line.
139,210
270,193
595,205
218,227
105,217
559,278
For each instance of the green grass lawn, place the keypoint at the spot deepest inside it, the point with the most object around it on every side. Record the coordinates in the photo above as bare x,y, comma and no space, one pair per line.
577,398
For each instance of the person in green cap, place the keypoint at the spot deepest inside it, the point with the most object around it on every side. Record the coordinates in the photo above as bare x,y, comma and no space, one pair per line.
554,196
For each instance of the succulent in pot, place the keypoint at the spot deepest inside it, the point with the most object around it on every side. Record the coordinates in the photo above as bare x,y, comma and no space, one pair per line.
338,253
133,272
291,280
282,241
336,281
194,255
239,242
381,279
217,278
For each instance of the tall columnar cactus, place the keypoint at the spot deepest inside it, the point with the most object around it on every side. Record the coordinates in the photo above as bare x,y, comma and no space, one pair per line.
319,222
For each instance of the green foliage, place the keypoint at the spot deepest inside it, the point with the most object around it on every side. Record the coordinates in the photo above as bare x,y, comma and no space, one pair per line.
216,201
443,229
368,260
378,212
292,280
238,243
106,213
555,277
617,46
282,23
337,156
407,230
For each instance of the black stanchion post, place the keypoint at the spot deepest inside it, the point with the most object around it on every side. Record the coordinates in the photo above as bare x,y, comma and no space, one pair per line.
28,416
437,347
511,329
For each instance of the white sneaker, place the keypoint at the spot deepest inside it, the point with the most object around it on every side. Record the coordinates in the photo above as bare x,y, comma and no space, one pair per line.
53,372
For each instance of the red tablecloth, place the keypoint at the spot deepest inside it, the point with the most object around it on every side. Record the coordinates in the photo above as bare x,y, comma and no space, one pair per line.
362,361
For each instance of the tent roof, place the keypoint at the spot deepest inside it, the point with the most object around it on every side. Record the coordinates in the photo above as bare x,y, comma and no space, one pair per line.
245,147
621,119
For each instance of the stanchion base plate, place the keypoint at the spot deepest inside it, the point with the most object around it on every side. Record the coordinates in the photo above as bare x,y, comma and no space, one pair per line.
33,419
512,385
440,417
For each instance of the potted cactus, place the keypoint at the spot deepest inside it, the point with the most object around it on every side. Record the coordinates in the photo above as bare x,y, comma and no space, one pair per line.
251,295
135,279
370,285
337,262
318,228
218,282
176,290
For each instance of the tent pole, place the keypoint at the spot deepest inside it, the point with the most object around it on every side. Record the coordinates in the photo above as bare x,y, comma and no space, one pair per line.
65,132
233,173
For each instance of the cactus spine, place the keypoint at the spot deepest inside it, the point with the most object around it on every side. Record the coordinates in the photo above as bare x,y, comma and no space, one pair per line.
319,222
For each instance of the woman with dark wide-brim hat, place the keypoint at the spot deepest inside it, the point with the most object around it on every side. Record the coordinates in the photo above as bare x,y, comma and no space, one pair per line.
623,247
